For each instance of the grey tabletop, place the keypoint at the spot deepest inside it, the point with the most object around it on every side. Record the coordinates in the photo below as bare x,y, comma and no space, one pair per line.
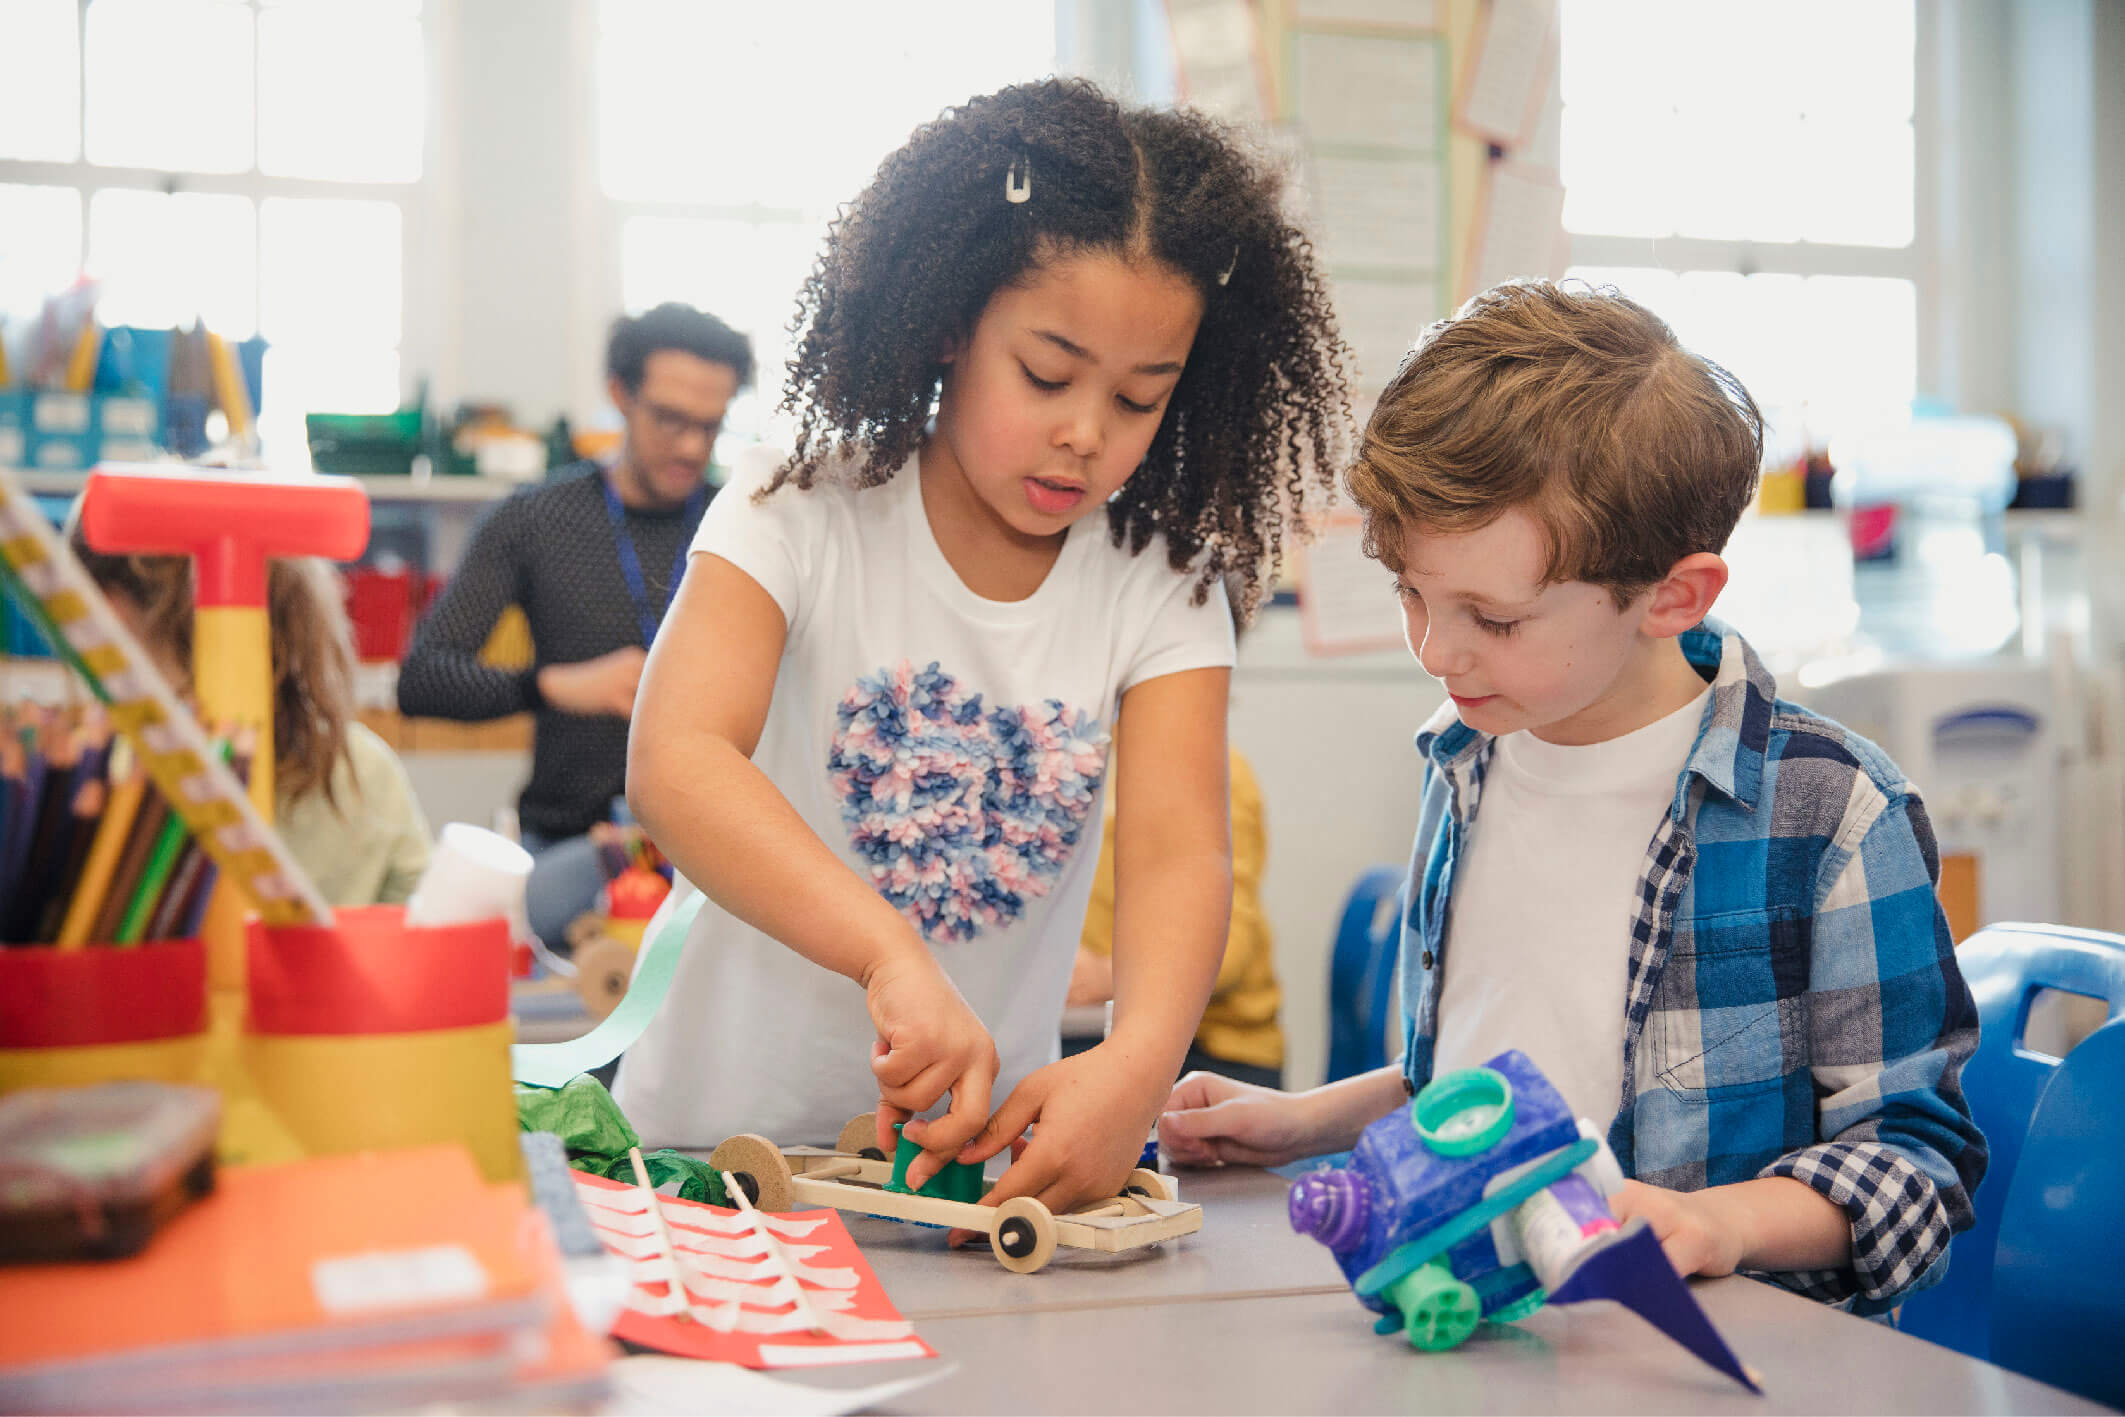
1246,1316
1318,1353
1245,1248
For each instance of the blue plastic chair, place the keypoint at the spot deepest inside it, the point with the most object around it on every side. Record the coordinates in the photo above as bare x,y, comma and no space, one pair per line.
2006,966
2058,1283
1361,976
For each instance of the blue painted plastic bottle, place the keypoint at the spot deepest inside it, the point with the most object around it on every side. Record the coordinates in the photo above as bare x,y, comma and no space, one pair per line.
1417,1179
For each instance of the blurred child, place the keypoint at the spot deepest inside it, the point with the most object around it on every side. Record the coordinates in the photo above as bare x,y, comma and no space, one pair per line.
1707,914
1062,366
342,800
1239,1036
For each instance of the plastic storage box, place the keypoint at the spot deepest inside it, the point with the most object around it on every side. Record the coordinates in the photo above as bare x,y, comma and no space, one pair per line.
93,1172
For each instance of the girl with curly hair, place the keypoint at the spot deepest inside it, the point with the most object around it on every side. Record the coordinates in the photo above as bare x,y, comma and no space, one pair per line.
1060,369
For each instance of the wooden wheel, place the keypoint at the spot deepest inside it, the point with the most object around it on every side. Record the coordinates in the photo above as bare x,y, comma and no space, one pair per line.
860,1138
759,1168
604,967
1151,1185
1024,1235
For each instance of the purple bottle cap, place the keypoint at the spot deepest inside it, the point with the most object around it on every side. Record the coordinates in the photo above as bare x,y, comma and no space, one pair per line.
1332,1205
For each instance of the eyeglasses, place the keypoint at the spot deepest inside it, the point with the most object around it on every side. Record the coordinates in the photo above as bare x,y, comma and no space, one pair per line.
672,424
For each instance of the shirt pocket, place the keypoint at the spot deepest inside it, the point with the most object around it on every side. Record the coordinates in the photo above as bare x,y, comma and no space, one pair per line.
1730,1016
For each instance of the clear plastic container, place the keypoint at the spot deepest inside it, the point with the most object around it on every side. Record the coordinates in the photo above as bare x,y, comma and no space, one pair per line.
93,1172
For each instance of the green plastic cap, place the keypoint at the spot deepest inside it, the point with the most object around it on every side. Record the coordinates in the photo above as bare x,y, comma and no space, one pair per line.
1438,1311
1463,1112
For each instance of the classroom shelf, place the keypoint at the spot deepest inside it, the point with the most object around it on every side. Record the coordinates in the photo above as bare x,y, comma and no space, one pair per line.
439,489
43,681
380,489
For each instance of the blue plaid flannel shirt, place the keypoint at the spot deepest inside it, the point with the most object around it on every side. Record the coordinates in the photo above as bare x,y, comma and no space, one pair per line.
1794,1007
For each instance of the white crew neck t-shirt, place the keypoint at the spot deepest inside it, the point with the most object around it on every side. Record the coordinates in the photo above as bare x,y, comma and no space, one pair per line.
949,749
1538,949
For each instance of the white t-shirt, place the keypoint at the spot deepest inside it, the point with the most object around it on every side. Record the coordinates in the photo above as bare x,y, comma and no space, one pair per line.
950,749
1538,950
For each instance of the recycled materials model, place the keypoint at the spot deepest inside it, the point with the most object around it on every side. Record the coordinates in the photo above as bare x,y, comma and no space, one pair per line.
1482,1200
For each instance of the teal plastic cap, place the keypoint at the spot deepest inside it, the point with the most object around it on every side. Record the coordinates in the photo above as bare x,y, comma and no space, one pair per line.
1463,1112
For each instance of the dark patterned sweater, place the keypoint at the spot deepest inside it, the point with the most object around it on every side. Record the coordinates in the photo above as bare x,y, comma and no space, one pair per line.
549,549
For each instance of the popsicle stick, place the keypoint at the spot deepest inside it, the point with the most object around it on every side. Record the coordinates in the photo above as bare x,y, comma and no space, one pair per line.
774,1250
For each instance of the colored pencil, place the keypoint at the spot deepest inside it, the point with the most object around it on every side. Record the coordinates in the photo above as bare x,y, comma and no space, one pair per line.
89,801
169,908
132,866
169,918
162,859
91,795
112,834
22,800
60,745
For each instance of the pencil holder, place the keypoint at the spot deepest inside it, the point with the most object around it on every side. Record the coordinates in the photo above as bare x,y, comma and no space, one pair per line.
102,1014
370,1034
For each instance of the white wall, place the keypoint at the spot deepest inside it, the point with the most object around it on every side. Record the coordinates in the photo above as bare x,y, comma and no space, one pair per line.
2028,206
2106,434
1332,741
527,273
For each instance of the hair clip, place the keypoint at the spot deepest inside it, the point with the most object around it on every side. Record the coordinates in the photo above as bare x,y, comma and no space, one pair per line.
1018,189
1225,275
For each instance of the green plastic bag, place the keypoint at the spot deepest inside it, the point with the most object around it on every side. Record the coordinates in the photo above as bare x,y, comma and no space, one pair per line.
597,1137
582,1114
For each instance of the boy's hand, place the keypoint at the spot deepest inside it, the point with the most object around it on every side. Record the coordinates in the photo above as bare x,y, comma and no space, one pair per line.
1211,1120
1695,1230
1094,1113
929,1043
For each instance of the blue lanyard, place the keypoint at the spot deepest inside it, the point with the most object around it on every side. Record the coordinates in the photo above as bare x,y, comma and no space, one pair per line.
631,564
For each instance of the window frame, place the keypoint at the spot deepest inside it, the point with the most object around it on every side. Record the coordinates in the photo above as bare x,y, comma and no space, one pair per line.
1920,262
419,201
614,214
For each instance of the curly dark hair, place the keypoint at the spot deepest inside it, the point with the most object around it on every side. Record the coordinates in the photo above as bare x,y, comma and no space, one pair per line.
674,326
1259,416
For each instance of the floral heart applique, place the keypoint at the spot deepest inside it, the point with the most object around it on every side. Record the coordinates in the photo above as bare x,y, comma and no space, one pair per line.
965,813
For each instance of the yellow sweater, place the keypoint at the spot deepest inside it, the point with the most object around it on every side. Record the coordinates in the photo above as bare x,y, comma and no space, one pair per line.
1240,1025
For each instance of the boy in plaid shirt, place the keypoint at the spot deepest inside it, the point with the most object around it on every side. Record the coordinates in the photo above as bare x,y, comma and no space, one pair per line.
1707,914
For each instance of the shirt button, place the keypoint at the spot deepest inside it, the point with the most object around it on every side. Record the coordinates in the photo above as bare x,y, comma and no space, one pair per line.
1427,959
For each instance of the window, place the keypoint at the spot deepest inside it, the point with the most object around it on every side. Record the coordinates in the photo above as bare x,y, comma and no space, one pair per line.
40,104
711,212
1749,172
244,162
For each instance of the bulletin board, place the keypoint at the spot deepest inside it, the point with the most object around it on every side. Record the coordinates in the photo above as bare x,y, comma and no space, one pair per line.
1369,102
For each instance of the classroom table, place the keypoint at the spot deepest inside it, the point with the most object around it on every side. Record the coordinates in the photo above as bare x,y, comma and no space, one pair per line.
1246,1248
1246,1316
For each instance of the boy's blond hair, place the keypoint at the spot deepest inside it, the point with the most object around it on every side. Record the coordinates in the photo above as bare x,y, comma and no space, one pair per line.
1576,404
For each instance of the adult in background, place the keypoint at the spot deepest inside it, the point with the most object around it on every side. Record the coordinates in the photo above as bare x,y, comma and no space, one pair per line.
593,557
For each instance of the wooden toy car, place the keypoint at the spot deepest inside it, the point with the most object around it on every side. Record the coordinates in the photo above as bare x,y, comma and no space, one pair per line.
1022,1231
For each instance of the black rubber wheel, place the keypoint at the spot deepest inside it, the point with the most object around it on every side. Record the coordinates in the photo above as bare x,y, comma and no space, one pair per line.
749,1184
1016,1238
871,1153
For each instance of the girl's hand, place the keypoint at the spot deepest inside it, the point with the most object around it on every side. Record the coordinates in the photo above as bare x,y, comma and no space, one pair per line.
929,1043
1094,1112
1211,1120
1690,1226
